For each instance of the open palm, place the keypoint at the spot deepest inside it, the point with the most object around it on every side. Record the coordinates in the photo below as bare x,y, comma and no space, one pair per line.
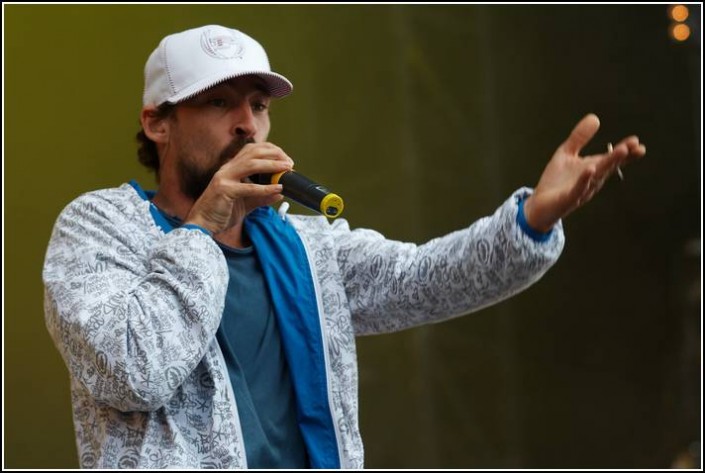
570,180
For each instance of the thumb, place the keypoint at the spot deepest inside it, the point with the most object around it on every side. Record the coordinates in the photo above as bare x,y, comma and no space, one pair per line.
582,133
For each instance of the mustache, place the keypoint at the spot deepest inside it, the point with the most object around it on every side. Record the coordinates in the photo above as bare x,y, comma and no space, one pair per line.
234,148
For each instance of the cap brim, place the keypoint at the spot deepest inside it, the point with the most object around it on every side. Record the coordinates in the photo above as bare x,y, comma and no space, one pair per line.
277,85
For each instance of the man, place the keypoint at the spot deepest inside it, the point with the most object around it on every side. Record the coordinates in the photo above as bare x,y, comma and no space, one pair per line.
203,329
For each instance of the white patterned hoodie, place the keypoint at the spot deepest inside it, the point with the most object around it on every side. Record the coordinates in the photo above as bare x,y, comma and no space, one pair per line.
133,307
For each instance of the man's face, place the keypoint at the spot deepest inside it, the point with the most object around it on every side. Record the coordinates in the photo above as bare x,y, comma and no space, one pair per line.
211,128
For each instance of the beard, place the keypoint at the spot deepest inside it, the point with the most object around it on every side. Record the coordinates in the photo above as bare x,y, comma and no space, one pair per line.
194,180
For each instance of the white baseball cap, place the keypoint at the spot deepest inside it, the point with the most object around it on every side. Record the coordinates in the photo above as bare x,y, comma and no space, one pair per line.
187,63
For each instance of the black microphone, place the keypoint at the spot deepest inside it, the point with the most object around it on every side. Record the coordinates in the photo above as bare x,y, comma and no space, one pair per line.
304,191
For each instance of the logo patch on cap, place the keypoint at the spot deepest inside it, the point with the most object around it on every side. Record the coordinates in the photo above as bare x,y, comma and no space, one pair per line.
222,44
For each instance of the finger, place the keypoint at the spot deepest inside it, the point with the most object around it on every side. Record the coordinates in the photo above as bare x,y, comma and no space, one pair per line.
635,150
273,152
262,150
232,184
631,142
590,194
255,202
245,168
593,187
262,166
635,154
604,164
578,193
609,163
241,190
582,134
625,154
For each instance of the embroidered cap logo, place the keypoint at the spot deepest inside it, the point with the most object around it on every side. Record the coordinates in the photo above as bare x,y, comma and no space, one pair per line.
222,44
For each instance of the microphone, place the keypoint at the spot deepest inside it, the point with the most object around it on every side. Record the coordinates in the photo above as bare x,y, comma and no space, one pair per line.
304,191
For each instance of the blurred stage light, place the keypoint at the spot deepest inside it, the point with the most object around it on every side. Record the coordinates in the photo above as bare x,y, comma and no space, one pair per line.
680,32
680,25
678,12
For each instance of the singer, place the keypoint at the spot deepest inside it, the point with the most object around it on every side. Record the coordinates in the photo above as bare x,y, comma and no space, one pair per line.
201,329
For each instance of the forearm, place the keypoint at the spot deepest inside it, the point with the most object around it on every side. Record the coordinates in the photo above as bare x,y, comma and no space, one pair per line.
449,276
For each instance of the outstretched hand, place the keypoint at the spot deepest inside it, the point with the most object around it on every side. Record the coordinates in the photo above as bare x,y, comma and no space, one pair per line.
570,180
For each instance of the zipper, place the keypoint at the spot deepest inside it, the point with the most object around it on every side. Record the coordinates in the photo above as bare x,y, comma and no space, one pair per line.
324,337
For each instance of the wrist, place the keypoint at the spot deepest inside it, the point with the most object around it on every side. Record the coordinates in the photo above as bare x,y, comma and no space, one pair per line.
532,219
193,226
196,222
536,233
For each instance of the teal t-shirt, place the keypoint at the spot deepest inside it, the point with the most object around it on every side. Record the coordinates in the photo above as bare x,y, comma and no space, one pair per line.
249,338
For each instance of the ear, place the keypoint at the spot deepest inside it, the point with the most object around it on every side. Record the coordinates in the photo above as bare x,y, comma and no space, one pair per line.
156,129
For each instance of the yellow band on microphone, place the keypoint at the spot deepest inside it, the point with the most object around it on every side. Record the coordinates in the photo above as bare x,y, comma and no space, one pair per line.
276,177
331,205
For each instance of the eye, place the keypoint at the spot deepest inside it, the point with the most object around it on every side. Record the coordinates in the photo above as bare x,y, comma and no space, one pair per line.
218,102
259,106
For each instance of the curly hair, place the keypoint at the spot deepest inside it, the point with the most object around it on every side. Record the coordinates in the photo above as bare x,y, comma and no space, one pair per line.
147,153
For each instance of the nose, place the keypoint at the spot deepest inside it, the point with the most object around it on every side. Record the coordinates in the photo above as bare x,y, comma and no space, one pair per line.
245,124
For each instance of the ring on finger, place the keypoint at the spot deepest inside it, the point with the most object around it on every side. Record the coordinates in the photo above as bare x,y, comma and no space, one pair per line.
620,174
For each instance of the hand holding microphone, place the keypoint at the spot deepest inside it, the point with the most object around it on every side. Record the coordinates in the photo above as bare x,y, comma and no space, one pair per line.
230,195
304,191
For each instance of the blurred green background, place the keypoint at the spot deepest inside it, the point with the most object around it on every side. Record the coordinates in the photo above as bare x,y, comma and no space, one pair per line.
424,118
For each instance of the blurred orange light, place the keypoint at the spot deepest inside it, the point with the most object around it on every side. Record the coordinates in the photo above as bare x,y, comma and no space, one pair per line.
679,12
680,32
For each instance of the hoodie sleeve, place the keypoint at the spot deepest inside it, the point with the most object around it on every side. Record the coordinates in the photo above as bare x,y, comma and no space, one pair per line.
392,286
131,310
